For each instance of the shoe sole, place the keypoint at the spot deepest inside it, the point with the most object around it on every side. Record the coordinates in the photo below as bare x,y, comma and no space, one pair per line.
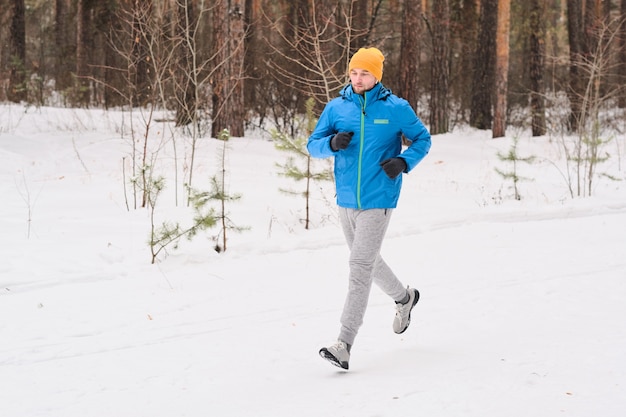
417,297
325,353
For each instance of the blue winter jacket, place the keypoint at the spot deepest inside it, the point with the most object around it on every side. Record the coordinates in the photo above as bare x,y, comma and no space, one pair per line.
378,120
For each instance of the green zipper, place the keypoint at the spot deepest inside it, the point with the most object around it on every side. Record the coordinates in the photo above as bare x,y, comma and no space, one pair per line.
358,181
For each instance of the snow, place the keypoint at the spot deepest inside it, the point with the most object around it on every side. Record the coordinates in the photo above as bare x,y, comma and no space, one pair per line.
522,308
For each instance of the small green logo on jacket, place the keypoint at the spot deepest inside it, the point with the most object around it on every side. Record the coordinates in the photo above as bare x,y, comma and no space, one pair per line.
381,121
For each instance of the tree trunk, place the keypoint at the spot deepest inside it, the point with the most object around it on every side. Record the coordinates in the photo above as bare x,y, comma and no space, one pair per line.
596,34
324,15
577,53
83,46
360,23
142,10
114,81
103,18
502,67
463,34
219,81
186,82
410,51
17,90
227,83
299,16
253,62
484,66
439,69
536,68
622,55
63,48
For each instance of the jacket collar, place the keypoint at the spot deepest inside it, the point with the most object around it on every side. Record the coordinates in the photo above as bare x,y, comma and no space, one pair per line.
378,92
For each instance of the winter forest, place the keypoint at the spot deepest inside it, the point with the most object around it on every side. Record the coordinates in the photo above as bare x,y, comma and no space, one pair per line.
171,249
227,64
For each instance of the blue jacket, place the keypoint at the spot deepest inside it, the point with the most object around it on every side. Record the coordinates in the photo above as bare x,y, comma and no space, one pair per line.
378,120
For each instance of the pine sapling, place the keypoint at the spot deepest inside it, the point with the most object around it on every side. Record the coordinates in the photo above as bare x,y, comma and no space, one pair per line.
513,157
299,164
220,194
168,233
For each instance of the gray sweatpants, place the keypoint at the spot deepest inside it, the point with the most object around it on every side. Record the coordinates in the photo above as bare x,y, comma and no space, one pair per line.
364,231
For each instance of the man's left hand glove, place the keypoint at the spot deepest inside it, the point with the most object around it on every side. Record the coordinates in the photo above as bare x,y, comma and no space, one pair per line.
393,166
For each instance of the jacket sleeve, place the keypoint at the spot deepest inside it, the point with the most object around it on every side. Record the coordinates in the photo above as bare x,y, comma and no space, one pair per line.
318,144
415,131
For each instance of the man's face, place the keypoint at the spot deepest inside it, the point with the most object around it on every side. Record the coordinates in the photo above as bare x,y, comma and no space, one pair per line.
362,80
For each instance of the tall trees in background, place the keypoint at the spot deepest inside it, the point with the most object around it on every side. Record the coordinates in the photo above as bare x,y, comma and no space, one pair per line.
81,53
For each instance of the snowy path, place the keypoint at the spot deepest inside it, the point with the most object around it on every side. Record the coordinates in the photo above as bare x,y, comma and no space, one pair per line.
513,326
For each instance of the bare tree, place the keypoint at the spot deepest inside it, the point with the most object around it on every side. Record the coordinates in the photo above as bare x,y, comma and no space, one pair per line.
303,62
585,152
135,42
502,67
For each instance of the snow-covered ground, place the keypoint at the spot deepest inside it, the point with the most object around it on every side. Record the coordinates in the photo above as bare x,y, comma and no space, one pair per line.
522,310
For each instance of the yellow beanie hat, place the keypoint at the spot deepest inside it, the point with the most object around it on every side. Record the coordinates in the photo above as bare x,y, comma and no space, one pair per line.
370,59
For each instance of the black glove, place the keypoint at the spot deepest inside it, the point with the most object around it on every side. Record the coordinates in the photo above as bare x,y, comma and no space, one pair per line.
393,166
341,141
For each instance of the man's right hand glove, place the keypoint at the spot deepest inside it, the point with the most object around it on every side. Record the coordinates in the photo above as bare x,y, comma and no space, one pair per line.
341,141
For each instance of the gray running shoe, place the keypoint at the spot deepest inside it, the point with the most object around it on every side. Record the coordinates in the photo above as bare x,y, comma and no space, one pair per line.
403,311
337,354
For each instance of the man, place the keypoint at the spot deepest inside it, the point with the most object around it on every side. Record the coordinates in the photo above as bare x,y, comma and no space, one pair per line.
362,129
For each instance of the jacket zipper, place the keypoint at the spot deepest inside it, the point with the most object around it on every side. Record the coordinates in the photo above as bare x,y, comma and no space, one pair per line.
358,181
